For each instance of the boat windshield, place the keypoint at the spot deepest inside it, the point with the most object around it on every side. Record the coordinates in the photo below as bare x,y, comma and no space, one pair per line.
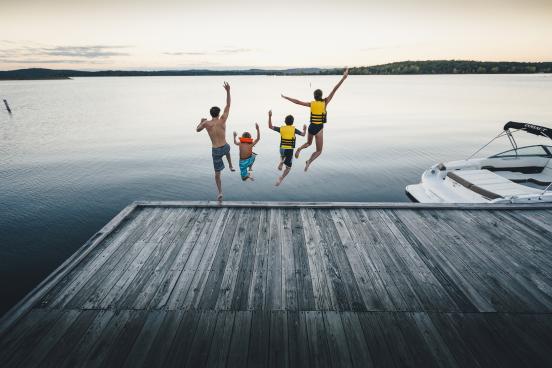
538,150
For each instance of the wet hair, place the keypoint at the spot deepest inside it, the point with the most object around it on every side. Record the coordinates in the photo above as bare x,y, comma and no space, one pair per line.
215,111
246,135
289,120
318,95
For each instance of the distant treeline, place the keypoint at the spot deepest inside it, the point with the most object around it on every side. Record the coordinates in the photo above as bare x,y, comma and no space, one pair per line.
38,73
449,67
403,67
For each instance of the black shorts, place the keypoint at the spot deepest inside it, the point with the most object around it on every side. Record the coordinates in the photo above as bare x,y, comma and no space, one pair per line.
315,128
287,155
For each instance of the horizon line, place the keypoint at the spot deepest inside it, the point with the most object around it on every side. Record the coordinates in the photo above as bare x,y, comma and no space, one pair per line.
268,68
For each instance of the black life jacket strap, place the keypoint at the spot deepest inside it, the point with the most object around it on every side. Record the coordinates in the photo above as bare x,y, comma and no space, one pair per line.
318,118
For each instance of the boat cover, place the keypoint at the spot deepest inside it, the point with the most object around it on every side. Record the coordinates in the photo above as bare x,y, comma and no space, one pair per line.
489,184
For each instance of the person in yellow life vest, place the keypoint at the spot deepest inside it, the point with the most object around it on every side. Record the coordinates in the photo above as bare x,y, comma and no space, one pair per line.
287,143
318,117
247,156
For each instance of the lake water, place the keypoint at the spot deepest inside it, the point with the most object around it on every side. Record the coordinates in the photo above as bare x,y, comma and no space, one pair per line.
75,152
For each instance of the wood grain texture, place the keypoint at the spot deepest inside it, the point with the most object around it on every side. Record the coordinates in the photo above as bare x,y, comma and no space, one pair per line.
296,285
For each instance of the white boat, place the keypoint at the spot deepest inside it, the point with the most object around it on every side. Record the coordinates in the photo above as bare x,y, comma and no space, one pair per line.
519,175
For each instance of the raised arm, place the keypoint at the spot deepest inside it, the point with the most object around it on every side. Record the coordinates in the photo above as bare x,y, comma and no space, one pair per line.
295,101
258,134
227,107
236,142
330,96
201,125
270,120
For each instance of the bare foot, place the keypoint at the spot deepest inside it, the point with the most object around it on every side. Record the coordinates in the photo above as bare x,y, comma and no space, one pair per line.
232,169
297,153
307,164
219,197
279,181
280,166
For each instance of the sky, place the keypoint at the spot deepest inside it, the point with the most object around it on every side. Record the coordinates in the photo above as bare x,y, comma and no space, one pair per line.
217,34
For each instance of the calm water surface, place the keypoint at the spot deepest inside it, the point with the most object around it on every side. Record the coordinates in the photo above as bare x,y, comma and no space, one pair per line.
75,152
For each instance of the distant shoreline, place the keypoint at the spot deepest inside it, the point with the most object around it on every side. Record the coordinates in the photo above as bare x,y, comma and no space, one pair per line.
427,67
43,78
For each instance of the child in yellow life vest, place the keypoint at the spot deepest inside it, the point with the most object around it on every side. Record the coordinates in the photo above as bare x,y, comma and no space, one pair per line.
318,117
247,156
287,143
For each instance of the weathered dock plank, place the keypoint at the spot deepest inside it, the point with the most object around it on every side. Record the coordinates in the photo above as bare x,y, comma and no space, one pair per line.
296,284
258,287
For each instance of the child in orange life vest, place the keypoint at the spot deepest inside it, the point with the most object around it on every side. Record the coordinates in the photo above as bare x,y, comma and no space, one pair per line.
287,143
247,156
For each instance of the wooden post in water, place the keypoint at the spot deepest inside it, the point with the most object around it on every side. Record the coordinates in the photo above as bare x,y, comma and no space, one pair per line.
7,106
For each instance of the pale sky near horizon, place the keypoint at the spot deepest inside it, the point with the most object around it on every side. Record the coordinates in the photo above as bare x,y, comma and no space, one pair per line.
217,34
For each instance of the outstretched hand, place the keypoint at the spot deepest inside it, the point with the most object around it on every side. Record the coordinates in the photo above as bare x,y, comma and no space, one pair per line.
235,134
226,86
269,112
257,126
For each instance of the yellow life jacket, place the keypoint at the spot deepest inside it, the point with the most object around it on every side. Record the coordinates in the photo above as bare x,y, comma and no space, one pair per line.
287,137
318,112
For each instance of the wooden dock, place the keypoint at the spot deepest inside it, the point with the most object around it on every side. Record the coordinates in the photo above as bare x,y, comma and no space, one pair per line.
296,284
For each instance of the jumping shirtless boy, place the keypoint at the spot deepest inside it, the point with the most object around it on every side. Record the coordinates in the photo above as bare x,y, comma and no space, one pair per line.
216,127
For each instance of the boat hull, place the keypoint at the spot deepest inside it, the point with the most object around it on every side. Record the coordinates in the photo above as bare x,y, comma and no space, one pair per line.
466,182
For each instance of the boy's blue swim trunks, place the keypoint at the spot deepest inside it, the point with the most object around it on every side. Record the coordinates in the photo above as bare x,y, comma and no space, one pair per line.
218,153
246,164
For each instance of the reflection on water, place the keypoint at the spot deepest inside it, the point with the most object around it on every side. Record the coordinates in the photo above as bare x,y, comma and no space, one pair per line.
76,152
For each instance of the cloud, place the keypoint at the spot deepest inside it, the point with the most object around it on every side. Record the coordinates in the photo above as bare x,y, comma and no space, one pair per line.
47,61
41,54
227,51
185,53
90,52
233,51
